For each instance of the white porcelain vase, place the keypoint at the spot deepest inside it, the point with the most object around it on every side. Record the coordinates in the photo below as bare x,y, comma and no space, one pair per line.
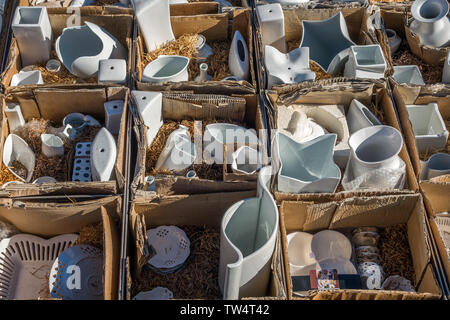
238,57
16,149
166,69
247,241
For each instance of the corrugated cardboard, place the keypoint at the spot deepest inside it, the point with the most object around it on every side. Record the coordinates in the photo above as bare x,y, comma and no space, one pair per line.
341,91
54,104
176,185
209,211
356,19
118,22
49,219
215,27
378,211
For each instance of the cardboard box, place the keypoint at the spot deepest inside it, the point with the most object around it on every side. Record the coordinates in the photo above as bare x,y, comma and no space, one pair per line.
356,19
215,26
208,211
54,104
46,218
5,34
118,22
377,211
373,94
178,188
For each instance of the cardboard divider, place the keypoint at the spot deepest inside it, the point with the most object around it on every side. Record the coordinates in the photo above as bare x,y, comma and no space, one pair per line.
215,27
179,185
355,18
373,94
48,219
54,104
208,211
377,211
118,22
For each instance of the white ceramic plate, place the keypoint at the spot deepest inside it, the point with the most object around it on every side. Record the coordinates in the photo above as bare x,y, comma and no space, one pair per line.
329,244
171,245
299,250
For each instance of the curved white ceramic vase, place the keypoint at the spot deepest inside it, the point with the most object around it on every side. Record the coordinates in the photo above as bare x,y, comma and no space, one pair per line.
16,149
359,116
375,147
305,167
292,67
166,68
153,17
81,48
218,134
103,156
179,152
446,69
238,59
394,40
408,74
328,41
203,75
430,22
52,145
247,241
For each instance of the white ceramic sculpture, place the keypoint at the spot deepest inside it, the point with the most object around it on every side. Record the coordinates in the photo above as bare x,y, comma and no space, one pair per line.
305,167
431,22
271,24
330,244
53,65
375,148
428,126
179,152
359,116
292,67
328,41
238,59
44,179
103,156
153,17
24,78
81,48
158,293
203,76
16,149
52,145
247,240
218,134
166,68
33,32
394,40
82,168
246,160
303,129
113,115
112,70
446,69
365,62
14,115
437,165
408,74
149,107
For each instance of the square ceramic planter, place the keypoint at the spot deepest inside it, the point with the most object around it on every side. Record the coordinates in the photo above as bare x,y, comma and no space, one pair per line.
365,62
112,70
408,75
271,23
33,32
428,126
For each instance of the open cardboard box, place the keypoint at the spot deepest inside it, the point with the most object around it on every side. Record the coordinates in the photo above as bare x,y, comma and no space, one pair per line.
355,18
341,91
172,188
376,211
54,104
406,95
117,22
438,205
205,20
4,26
207,211
47,219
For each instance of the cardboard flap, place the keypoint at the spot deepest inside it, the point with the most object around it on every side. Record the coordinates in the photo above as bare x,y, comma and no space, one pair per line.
194,8
192,106
371,295
307,216
181,185
111,254
438,193
213,26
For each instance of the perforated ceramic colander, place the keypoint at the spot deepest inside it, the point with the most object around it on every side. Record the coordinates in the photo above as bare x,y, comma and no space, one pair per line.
171,246
77,274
